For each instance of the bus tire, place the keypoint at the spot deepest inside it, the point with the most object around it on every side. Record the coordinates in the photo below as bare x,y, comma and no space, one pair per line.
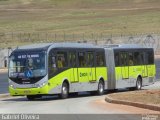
100,90
139,83
64,91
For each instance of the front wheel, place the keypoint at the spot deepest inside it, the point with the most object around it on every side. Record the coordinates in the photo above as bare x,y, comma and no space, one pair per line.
100,90
64,90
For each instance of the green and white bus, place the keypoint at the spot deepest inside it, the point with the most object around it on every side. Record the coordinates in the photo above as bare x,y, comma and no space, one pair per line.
63,68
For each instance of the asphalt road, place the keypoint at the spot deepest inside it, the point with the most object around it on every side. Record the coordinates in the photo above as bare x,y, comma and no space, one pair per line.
157,62
3,83
81,107
49,105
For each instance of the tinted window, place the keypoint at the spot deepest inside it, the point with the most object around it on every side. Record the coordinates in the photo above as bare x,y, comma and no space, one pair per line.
62,59
130,59
72,59
116,58
52,64
149,57
90,58
138,58
100,59
81,59
123,59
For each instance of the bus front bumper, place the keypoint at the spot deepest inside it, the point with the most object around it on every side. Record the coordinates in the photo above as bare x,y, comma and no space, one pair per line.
28,91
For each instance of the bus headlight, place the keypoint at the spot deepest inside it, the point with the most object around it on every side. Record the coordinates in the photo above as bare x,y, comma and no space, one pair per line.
40,85
12,86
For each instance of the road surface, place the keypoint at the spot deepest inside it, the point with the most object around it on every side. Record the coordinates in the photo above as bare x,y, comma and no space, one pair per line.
3,83
84,103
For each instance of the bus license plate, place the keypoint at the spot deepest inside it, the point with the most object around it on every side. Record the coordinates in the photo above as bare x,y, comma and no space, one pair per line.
27,91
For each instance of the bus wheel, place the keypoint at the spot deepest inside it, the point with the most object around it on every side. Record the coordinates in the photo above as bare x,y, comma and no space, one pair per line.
100,88
64,91
139,83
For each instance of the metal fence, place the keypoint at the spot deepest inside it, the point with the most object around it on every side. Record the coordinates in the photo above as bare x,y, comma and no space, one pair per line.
10,41
19,38
16,38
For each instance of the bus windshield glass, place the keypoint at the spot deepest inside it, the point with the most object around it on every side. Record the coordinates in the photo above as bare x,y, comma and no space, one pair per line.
28,65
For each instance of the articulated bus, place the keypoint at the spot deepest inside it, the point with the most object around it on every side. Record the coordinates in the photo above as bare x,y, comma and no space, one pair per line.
63,68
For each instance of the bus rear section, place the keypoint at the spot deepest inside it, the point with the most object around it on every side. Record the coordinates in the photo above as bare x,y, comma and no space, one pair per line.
130,67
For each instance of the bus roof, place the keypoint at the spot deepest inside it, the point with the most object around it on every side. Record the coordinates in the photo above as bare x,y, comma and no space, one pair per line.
123,46
46,46
73,45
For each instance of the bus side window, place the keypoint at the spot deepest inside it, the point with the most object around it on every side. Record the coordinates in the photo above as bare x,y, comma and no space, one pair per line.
130,59
62,59
116,57
149,57
81,59
52,64
90,59
72,59
138,58
100,59
124,58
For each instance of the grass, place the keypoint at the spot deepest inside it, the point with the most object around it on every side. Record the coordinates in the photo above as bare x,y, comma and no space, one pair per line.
80,16
81,21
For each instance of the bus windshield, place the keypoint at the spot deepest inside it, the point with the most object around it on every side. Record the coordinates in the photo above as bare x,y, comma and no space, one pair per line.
27,65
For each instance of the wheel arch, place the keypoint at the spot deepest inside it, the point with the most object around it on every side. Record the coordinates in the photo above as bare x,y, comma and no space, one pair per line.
66,81
140,76
101,79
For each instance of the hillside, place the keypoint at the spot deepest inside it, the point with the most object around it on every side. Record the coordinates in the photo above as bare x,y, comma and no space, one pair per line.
80,16
79,4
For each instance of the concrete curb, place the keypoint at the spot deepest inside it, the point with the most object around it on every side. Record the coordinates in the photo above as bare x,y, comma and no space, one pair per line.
135,104
4,95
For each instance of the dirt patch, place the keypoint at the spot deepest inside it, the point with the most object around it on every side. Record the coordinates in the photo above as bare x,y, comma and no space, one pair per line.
120,109
144,96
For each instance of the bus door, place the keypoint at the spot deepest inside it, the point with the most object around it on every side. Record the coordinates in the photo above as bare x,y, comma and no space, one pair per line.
144,66
91,66
150,63
124,65
82,67
73,67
